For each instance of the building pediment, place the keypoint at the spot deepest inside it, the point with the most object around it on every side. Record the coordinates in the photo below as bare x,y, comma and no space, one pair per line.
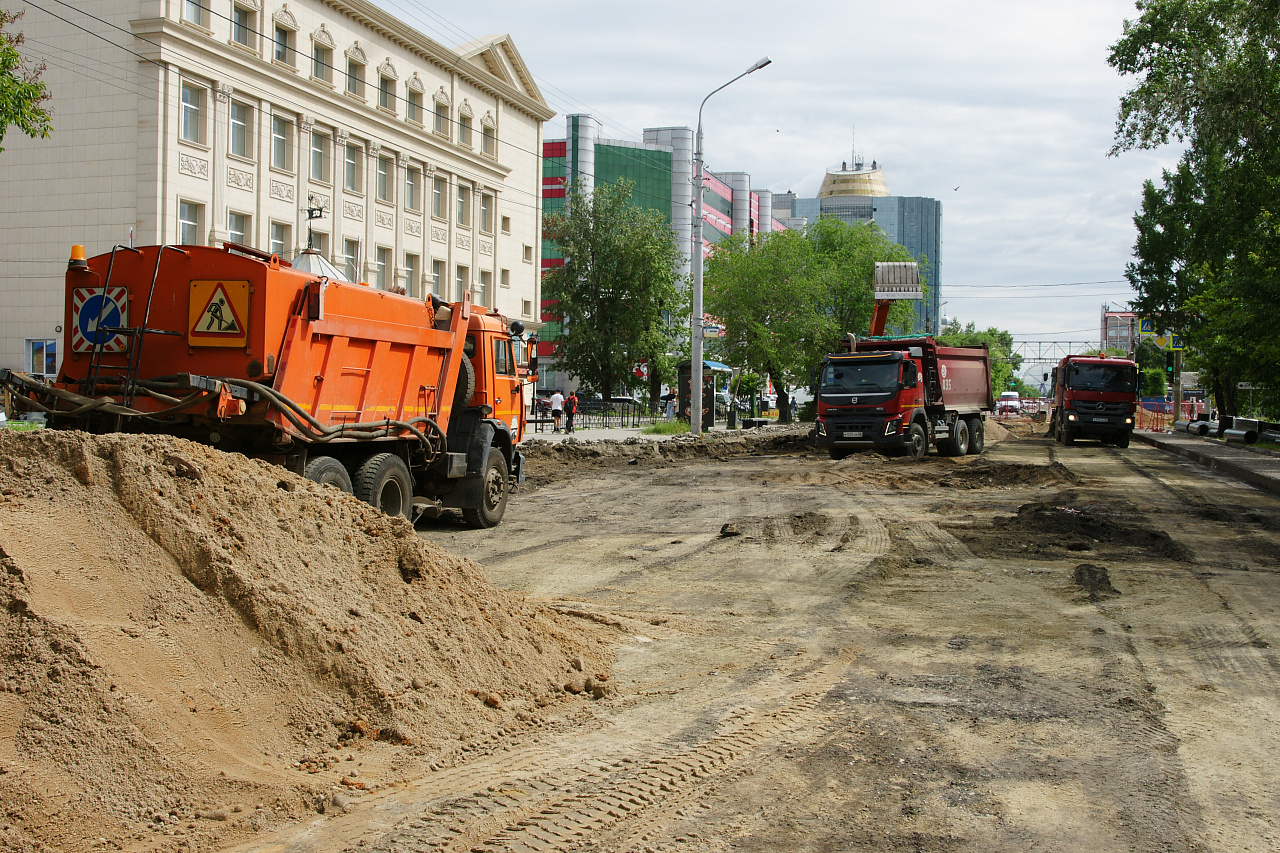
497,55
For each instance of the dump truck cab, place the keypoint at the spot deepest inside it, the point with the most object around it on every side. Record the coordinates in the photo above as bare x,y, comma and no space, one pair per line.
1094,397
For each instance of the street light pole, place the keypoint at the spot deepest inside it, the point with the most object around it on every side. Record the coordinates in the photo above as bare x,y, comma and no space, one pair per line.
695,321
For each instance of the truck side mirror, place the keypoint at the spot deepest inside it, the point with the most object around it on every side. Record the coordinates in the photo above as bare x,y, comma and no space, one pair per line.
533,354
1044,377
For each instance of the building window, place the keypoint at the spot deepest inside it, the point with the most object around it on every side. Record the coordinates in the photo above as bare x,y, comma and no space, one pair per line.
481,294
320,156
528,254
411,283
283,50
486,213
42,356
351,169
189,216
441,120
437,278
386,179
464,130
193,12
413,188
192,120
504,278
355,78
381,260
319,241
387,93
464,206
281,143
280,238
242,25
351,259
462,283
413,106
439,192
322,63
241,129
526,307
506,225
238,228
488,141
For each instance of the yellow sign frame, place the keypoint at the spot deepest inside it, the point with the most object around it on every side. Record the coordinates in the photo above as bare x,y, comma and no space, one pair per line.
218,314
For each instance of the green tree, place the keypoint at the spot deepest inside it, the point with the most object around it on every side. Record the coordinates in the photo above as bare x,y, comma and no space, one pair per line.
1207,259
787,298
21,91
1005,363
617,291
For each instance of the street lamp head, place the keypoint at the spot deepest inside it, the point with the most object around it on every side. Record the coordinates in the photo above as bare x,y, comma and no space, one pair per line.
761,64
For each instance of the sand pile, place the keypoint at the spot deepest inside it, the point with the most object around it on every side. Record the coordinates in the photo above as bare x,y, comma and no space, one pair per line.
195,643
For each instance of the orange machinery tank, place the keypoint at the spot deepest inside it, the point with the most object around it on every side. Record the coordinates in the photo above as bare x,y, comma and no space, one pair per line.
402,401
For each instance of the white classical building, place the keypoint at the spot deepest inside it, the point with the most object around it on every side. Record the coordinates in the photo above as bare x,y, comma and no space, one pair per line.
202,121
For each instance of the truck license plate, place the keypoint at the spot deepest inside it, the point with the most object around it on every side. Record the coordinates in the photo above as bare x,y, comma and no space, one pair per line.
848,434
1100,420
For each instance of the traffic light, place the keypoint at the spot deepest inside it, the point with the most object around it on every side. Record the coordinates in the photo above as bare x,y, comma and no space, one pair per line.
1168,363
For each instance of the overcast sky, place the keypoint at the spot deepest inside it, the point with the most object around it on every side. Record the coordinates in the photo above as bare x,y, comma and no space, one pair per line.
1002,109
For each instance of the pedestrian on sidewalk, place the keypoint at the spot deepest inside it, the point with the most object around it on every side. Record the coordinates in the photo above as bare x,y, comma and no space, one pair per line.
570,409
557,409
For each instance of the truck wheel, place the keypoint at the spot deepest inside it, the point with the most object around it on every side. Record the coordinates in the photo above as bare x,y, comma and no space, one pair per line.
1122,438
919,446
383,481
957,444
837,452
1068,436
328,471
466,388
493,501
976,438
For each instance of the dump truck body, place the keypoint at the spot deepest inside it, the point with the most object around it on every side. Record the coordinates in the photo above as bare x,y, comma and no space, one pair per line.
1094,397
902,394
418,402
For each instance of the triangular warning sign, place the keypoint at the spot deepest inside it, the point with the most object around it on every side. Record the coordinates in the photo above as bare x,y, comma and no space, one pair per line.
219,317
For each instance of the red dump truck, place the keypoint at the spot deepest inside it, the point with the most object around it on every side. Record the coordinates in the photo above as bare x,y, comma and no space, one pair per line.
900,395
1093,397
411,405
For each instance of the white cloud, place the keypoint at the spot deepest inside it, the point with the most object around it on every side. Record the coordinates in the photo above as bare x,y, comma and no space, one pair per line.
1010,100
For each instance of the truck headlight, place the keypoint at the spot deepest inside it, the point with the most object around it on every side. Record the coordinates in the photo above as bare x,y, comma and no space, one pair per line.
1071,416
822,427
893,426
1128,420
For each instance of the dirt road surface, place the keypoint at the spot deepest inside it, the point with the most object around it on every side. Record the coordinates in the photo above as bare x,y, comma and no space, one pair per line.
1037,649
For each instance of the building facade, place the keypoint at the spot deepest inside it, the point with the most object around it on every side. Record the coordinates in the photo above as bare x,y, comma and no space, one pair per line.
204,121
662,169
861,194
1119,331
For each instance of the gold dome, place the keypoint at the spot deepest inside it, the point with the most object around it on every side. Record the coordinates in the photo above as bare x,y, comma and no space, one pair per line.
863,182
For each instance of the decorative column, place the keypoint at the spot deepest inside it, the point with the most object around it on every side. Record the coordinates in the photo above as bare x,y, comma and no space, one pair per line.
219,118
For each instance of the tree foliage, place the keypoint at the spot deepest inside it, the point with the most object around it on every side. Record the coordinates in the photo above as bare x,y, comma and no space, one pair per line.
1207,257
787,298
617,290
21,90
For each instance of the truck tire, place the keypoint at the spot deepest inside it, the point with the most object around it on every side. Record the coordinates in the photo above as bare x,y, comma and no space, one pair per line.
328,471
493,500
838,453
466,387
919,446
956,444
977,440
383,481
1122,438
1068,436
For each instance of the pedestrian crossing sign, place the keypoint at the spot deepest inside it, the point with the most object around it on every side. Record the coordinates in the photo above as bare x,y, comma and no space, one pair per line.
218,314
1146,327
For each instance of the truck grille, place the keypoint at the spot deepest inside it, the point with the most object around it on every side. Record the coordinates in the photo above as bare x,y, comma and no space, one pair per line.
1089,407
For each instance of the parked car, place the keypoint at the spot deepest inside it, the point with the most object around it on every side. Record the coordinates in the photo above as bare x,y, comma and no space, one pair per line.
1010,403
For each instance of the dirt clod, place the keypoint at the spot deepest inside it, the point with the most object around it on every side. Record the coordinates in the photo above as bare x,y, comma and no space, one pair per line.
1095,580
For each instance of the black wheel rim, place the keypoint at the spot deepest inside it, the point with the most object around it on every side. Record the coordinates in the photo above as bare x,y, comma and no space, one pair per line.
493,489
391,498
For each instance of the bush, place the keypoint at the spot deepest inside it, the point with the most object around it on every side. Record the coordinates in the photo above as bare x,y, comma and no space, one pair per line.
667,428
808,411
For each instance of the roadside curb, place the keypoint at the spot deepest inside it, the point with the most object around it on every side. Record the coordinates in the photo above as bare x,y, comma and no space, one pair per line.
1260,471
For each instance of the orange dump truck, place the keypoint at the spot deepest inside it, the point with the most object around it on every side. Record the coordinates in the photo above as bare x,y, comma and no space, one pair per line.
412,405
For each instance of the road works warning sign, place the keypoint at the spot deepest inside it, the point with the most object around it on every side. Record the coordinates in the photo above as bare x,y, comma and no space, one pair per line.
219,314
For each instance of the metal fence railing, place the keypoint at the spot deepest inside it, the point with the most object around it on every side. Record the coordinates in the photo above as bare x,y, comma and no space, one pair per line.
598,414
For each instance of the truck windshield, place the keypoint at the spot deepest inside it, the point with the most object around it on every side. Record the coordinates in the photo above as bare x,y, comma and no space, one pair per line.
860,377
1102,377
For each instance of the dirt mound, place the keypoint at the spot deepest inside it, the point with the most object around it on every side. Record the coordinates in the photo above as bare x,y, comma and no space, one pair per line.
1095,580
553,460
1050,528
983,473
196,645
